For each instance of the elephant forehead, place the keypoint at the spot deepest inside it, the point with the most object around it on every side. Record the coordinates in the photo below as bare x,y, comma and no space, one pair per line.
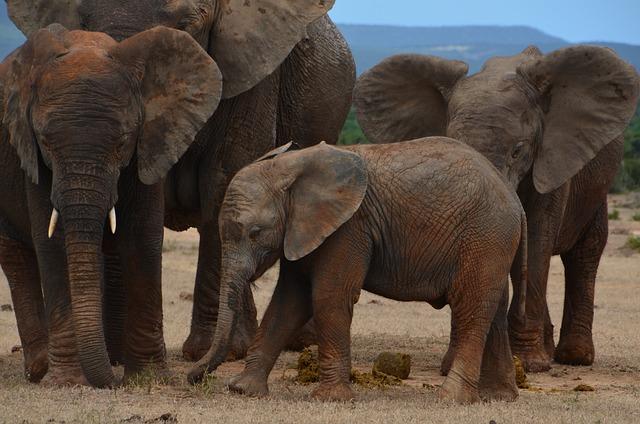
88,40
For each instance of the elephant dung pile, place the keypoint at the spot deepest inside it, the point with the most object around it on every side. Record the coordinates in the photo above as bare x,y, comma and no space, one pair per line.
393,364
521,377
308,370
385,372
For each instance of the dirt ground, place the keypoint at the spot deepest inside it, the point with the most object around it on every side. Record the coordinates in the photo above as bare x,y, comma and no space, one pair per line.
379,325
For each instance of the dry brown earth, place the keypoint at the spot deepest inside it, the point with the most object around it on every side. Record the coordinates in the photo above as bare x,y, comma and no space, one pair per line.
379,324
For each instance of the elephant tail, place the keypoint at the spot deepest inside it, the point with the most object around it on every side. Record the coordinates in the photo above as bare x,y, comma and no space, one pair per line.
520,291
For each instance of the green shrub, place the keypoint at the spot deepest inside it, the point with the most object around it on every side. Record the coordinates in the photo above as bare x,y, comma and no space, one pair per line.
634,243
351,132
636,216
615,215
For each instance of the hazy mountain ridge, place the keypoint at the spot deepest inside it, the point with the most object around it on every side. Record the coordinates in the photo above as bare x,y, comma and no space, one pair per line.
372,43
472,44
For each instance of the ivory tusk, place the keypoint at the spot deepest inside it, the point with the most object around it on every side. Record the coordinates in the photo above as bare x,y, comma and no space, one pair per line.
53,222
112,220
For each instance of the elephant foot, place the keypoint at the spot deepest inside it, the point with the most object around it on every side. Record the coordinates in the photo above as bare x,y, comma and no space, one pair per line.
533,359
196,345
340,392
454,389
249,384
65,376
304,338
575,351
505,392
199,342
36,364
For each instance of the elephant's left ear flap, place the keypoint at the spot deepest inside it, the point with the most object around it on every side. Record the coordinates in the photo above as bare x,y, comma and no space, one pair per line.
329,187
589,96
251,39
181,88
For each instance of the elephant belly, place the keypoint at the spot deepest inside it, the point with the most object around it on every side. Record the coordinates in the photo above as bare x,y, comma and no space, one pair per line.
410,283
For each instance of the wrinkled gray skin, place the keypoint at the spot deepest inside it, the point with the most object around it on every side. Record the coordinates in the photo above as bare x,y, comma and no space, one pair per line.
93,126
288,75
407,221
553,125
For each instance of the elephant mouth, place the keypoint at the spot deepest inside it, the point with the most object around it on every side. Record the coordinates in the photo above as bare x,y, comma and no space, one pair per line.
55,216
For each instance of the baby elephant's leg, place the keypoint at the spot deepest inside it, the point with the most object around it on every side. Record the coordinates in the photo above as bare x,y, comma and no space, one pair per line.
335,290
288,311
497,375
474,301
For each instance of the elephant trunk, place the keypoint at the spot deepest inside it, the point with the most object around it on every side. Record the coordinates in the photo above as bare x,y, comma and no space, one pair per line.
235,275
84,211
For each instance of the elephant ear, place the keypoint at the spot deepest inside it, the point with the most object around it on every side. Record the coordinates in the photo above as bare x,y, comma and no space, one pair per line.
589,95
21,70
406,96
328,189
251,38
181,88
31,15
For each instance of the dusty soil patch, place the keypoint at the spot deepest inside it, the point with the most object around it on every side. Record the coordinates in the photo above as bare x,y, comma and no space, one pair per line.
379,325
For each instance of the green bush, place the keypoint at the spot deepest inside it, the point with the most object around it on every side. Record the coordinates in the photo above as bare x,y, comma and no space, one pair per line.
352,133
615,215
628,177
634,243
636,216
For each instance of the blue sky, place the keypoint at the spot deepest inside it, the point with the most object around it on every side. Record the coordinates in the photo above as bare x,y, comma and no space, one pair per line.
573,20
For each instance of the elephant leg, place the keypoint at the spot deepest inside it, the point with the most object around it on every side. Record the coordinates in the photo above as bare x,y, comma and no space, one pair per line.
445,365
497,375
581,266
462,382
549,344
20,266
544,213
205,303
316,89
115,308
139,239
243,129
289,309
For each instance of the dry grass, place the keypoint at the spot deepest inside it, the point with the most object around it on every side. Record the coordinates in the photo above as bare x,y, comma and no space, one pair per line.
379,325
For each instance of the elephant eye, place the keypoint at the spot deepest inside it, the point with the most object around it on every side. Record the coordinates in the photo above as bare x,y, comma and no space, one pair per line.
517,150
254,232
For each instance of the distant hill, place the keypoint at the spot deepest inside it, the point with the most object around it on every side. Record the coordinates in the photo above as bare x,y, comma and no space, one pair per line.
472,44
372,43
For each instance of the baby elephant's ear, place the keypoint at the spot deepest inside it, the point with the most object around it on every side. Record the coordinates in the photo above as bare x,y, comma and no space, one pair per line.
181,88
329,187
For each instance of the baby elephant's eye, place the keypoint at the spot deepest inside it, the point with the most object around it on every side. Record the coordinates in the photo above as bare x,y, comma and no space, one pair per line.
517,150
254,232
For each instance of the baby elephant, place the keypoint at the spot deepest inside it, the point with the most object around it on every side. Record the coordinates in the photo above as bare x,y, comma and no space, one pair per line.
407,221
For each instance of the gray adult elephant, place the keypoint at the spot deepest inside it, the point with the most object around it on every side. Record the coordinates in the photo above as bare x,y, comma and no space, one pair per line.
568,110
94,125
288,74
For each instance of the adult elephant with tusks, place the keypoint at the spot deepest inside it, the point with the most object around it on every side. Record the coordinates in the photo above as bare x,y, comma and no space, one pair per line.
288,75
95,125
553,125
